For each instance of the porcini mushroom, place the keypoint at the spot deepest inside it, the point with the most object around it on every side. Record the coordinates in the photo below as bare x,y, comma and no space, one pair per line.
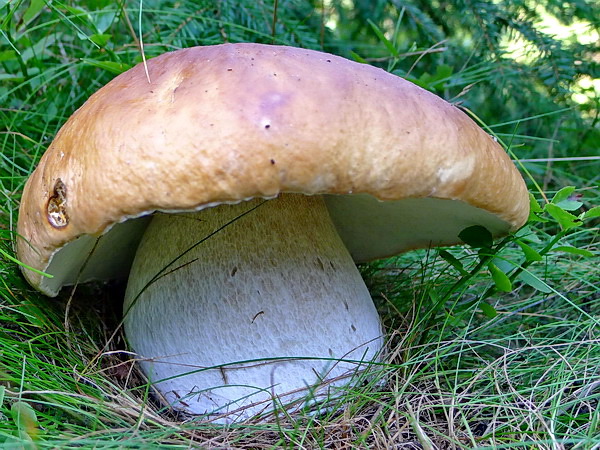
270,170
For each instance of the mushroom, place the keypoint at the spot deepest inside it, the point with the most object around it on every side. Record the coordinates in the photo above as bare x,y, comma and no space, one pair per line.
247,180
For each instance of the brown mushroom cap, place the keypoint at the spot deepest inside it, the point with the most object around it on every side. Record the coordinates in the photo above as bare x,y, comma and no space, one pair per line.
226,123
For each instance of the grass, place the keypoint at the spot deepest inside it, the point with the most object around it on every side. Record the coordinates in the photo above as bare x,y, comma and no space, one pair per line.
467,365
528,376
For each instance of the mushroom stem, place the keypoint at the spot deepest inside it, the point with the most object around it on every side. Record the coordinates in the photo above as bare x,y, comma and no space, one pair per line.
273,299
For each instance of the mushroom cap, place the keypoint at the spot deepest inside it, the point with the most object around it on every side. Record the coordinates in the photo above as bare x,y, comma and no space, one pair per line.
222,124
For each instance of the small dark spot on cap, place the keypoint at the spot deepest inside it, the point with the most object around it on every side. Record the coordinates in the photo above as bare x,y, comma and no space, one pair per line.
353,327
328,60
273,162
229,70
267,126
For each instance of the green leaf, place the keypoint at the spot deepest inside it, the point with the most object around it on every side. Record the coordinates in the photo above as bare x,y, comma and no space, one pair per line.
526,233
438,80
25,418
383,39
570,205
563,194
591,214
443,71
8,55
104,18
433,296
488,310
573,250
565,219
534,206
100,39
451,259
533,217
533,281
502,264
476,236
110,66
530,253
535,210
35,7
501,281
356,57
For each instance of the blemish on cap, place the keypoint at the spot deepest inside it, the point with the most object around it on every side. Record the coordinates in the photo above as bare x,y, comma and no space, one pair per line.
56,209
460,170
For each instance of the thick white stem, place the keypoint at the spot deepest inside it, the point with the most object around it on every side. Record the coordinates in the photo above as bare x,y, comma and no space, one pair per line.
276,283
